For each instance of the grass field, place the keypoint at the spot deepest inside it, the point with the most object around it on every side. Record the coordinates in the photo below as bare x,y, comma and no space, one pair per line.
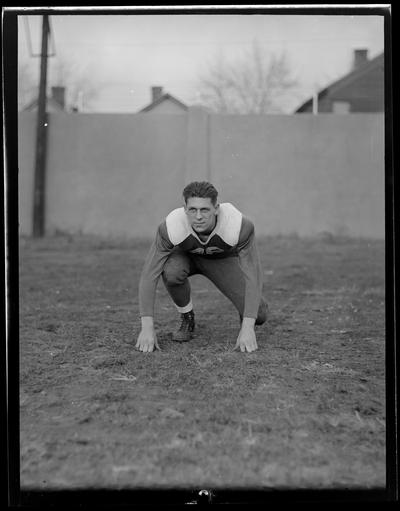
307,410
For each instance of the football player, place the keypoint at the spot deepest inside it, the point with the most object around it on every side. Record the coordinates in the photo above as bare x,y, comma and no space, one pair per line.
211,239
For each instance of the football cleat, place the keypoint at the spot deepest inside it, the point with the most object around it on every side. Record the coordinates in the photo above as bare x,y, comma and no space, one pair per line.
185,331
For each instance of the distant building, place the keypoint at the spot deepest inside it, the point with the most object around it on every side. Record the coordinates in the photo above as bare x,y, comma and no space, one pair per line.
55,103
361,90
164,103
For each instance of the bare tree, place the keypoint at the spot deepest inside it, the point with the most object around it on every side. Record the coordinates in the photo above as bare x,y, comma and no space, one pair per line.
80,88
27,84
254,83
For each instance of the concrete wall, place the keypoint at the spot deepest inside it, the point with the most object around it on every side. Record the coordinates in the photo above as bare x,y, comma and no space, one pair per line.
303,174
107,174
113,174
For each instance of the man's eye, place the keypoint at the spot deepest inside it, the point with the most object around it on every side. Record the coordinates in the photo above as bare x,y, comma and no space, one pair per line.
204,210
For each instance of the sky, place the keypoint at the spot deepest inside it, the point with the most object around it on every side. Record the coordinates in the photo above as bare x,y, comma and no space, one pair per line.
125,55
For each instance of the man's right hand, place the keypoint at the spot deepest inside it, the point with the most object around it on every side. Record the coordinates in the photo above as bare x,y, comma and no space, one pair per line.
147,340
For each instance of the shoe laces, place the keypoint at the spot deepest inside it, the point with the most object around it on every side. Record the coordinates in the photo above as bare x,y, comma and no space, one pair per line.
187,322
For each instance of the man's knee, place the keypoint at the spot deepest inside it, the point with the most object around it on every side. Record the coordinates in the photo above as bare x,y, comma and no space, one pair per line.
174,275
262,314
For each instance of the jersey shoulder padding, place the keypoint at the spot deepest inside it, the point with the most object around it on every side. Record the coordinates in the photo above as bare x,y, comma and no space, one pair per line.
229,223
178,227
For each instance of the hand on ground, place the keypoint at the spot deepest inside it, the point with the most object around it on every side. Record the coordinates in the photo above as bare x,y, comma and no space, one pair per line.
246,340
147,341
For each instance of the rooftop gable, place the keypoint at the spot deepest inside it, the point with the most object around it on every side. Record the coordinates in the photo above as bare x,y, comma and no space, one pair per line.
349,78
164,97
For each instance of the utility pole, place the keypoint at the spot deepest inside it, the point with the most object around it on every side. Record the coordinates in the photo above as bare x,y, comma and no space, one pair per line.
315,101
41,139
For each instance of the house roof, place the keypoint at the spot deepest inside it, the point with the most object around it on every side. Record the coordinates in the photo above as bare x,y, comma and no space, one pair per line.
161,99
51,102
345,80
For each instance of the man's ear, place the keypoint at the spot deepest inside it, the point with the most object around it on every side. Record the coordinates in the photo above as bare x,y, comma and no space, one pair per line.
217,209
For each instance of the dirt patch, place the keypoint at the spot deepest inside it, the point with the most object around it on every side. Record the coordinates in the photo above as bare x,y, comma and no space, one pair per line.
307,410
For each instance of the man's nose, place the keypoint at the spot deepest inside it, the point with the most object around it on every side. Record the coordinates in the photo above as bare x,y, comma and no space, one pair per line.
198,214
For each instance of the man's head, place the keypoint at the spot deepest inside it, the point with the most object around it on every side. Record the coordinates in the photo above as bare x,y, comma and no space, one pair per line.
201,206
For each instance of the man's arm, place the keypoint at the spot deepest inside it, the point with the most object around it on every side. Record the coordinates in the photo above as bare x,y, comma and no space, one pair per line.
250,264
152,269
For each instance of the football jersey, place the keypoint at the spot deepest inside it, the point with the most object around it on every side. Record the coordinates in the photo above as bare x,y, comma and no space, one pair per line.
221,242
232,236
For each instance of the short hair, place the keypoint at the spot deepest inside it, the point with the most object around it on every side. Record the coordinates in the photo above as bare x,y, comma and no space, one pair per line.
202,189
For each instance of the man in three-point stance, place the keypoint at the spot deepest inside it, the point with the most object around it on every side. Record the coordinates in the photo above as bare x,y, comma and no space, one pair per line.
211,239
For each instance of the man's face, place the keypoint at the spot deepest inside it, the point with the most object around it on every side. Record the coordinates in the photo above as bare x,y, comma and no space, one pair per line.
202,214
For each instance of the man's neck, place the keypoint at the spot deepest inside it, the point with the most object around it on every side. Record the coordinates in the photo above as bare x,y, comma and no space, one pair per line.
204,235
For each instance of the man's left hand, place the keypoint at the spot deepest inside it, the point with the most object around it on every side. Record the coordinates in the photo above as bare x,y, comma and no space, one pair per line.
246,340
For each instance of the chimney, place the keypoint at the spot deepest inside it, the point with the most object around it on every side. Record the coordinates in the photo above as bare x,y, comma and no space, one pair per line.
58,94
360,58
156,93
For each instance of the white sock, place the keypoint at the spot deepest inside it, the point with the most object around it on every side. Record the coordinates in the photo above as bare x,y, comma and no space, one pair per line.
185,309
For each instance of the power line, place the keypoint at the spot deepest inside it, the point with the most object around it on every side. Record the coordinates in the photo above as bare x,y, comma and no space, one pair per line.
262,42
29,39
51,37
28,35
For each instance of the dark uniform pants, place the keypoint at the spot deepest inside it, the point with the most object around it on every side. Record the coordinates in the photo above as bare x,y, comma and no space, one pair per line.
225,273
